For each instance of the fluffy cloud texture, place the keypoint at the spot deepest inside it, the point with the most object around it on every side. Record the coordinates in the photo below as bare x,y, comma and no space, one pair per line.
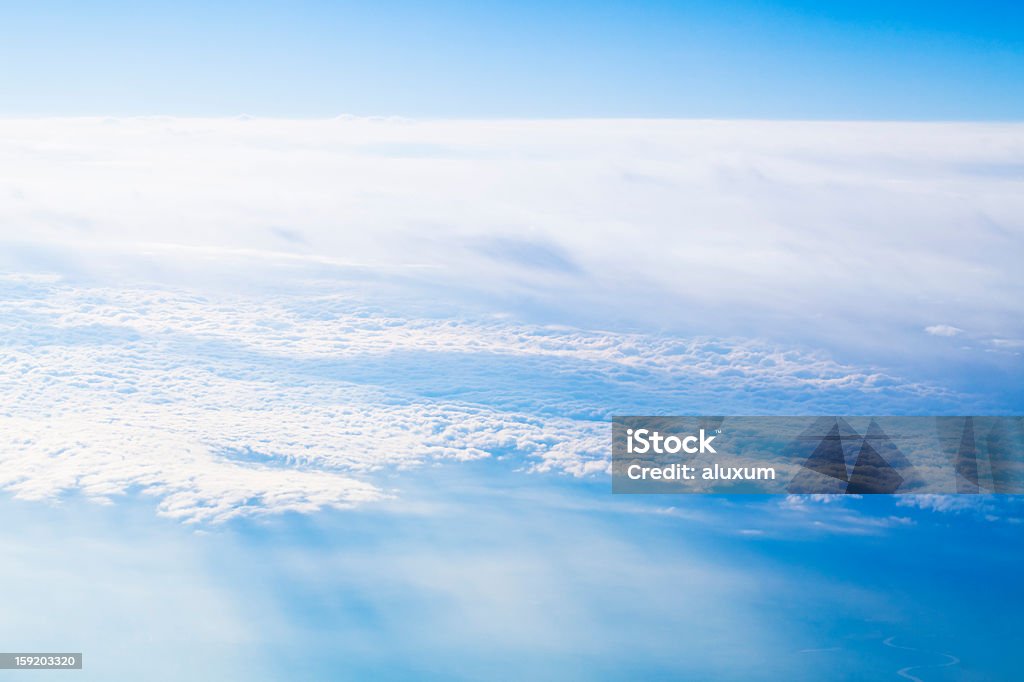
230,405
244,316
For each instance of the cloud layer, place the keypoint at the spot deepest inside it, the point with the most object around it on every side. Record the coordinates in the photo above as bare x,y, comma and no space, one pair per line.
227,405
854,230
243,316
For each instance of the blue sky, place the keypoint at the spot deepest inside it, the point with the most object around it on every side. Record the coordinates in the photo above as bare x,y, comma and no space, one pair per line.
478,576
734,59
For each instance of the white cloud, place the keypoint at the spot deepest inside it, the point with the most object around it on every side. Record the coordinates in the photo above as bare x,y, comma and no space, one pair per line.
231,405
725,225
831,514
259,315
946,503
943,330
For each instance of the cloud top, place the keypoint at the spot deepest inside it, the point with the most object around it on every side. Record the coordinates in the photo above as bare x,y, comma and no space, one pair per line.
242,316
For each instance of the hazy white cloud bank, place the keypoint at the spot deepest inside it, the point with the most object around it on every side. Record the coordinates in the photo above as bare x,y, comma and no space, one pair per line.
243,316
847,232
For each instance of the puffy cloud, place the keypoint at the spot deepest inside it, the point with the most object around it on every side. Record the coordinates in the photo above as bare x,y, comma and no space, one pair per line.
228,405
242,316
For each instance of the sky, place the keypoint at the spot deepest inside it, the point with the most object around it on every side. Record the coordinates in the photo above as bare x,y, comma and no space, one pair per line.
333,395
313,317
735,59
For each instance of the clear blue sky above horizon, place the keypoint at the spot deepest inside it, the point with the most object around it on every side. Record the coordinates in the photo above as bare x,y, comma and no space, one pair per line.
730,59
